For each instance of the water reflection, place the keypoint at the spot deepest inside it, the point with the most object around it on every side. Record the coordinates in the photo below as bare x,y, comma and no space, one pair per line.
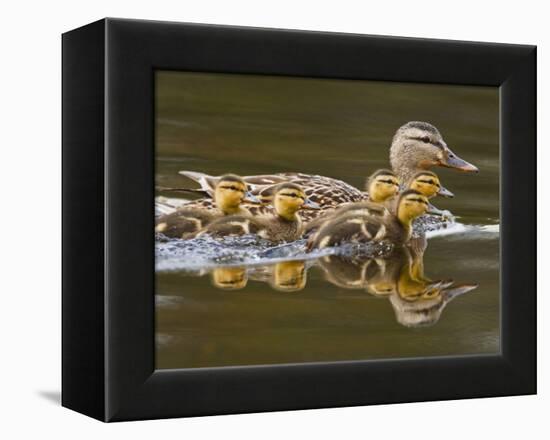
230,278
417,299
286,276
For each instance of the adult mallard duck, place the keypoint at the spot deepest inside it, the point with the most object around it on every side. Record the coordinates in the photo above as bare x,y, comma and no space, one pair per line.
371,222
229,194
416,146
285,225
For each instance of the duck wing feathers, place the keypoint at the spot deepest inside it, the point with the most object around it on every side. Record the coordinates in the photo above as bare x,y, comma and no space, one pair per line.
327,192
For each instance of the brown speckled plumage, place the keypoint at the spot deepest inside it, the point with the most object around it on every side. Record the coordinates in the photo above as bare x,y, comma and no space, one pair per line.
327,192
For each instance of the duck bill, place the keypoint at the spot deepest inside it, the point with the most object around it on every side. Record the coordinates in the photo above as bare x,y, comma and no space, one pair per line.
444,192
249,197
458,290
308,204
436,211
453,161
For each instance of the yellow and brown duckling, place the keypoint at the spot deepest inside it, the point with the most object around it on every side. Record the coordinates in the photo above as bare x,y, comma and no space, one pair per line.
372,223
426,183
229,194
382,187
285,225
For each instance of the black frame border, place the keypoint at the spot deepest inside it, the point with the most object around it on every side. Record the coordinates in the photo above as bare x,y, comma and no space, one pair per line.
132,388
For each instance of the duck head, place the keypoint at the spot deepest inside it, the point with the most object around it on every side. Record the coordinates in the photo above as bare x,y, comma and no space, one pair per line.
382,185
288,198
230,192
418,146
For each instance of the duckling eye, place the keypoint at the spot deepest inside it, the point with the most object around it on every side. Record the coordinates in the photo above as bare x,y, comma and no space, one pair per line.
429,182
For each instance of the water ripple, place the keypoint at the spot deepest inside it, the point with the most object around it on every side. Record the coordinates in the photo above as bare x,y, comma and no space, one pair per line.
206,252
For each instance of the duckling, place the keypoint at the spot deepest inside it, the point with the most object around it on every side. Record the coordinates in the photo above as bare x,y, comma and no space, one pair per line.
372,223
427,183
230,192
416,146
286,225
382,187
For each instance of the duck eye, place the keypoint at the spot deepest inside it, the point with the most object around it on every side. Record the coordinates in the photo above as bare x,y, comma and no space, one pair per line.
425,139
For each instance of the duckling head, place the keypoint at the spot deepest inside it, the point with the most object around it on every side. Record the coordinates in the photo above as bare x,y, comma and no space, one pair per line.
418,146
382,185
289,198
428,184
411,205
230,192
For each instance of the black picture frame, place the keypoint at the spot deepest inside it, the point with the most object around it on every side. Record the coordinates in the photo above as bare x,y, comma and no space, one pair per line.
108,196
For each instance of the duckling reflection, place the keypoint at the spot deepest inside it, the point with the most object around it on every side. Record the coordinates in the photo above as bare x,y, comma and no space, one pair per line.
289,276
229,278
424,308
416,299
375,275
285,276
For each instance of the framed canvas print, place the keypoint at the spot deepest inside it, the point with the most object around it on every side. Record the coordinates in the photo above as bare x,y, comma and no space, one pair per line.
262,219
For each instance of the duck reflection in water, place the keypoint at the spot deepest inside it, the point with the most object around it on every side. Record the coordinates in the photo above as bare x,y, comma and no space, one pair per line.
229,278
289,276
416,299
286,276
